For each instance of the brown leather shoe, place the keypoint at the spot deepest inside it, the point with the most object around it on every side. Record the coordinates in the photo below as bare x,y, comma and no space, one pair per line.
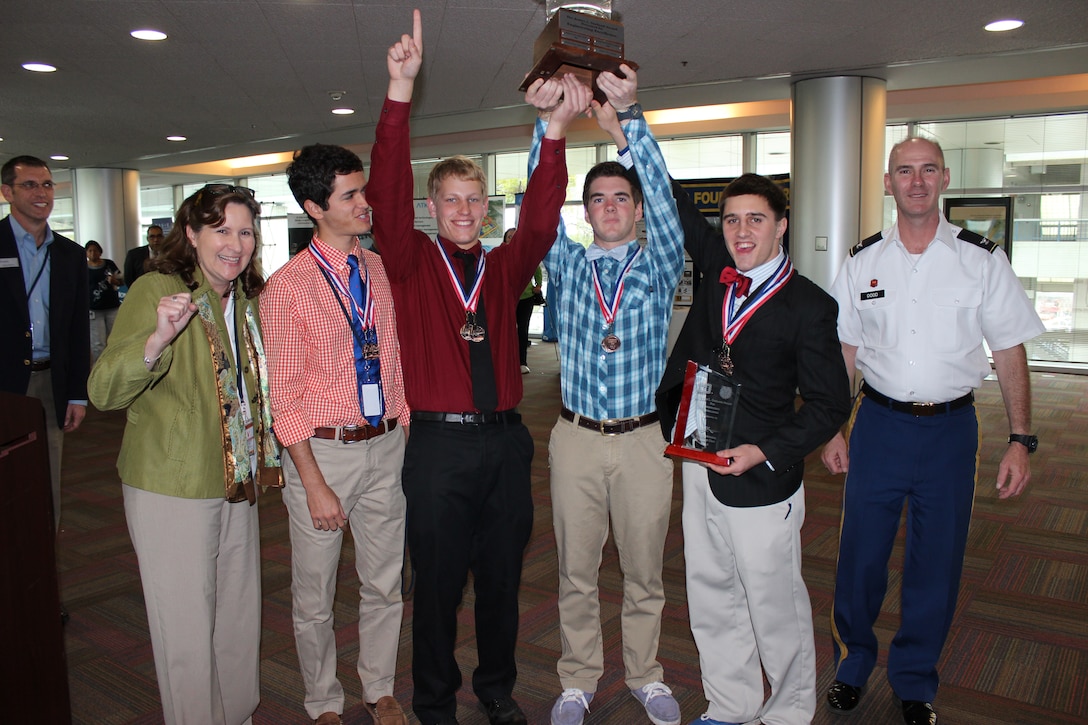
328,718
386,711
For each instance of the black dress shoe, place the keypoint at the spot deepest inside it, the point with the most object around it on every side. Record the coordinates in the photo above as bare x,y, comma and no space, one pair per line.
504,711
916,712
842,698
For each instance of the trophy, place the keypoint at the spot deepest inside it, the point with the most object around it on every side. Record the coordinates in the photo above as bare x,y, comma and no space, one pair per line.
581,39
704,421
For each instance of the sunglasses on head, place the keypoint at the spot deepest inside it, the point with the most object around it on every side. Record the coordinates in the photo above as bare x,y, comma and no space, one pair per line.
220,189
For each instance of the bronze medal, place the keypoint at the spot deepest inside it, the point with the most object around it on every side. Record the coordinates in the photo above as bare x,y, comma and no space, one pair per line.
370,351
470,330
725,362
610,343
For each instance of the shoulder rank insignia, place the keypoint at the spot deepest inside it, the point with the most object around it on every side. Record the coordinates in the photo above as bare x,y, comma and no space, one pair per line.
867,242
978,240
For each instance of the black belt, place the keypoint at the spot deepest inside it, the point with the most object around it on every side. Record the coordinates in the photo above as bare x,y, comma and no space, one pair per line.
468,418
355,433
36,366
610,427
917,409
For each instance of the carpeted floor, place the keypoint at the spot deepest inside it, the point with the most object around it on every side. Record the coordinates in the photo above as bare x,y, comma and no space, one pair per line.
1018,652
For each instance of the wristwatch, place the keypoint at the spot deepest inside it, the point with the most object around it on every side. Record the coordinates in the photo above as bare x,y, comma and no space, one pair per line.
633,111
1028,441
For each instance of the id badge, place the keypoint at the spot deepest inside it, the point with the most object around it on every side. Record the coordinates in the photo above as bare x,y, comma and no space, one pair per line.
372,399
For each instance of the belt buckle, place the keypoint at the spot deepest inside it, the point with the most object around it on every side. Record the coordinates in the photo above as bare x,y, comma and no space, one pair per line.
924,409
614,422
348,434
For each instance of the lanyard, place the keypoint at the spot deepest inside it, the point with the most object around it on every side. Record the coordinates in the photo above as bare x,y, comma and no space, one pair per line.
610,305
41,269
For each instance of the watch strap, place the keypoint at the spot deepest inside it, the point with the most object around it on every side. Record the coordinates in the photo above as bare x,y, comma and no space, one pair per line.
1030,442
632,111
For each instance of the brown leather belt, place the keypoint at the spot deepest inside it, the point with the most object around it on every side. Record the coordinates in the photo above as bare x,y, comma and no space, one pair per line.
921,410
36,366
610,427
355,433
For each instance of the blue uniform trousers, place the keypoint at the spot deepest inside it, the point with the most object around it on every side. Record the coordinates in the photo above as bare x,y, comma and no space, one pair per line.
931,464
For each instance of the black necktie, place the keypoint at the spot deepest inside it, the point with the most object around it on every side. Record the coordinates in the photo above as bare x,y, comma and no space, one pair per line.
484,396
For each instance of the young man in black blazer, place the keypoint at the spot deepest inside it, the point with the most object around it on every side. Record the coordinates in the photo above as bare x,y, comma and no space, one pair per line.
773,332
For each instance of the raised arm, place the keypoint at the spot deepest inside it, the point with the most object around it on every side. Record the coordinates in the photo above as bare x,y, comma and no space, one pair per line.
404,60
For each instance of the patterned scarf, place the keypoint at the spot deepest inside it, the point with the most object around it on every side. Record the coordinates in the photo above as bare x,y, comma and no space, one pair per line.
240,479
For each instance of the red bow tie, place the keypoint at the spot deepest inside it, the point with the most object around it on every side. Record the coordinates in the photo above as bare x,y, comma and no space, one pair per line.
742,283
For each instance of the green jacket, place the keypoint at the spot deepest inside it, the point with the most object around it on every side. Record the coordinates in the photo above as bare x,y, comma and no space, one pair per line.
173,441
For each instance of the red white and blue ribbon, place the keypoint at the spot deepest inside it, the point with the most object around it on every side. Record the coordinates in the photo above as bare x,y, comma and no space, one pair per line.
472,299
610,304
734,320
366,312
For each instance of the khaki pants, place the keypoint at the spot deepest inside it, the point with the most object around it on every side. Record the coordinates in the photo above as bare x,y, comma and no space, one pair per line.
595,479
200,569
366,476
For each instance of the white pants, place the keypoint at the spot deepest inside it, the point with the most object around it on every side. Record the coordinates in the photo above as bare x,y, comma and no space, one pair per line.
101,327
749,605
366,476
200,569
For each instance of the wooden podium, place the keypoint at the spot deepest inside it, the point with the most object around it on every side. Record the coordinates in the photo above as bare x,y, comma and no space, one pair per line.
33,668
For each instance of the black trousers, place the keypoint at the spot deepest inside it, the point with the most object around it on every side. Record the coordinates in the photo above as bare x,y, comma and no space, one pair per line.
469,509
524,313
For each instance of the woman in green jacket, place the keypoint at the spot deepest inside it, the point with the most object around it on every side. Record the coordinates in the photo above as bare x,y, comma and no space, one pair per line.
185,358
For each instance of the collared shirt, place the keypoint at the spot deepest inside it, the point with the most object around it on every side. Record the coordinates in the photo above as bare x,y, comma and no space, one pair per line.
919,321
763,272
437,374
33,259
310,351
620,384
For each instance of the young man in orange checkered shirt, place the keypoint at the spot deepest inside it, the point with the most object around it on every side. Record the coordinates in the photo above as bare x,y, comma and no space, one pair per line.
338,408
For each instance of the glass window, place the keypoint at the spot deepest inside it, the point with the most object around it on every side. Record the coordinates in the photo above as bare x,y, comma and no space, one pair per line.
773,153
709,157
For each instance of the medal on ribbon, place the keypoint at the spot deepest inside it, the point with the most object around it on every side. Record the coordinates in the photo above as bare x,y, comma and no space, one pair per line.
470,300
610,304
734,319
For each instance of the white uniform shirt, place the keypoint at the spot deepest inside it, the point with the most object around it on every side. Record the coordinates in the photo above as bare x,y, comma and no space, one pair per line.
919,321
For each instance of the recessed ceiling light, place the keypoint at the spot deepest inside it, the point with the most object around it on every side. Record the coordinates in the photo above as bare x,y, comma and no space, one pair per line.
343,111
1000,26
40,67
59,157
176,138
148,34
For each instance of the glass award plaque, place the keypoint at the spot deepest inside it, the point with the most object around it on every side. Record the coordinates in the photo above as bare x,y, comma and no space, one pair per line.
704,420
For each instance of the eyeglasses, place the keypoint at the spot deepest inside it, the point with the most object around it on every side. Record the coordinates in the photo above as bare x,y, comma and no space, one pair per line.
220,189
34,185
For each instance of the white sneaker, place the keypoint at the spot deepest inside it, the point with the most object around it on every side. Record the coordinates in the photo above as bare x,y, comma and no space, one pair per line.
661,706
571,707
525,369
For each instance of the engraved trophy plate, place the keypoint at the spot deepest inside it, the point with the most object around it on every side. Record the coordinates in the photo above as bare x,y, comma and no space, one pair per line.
704,420
579,43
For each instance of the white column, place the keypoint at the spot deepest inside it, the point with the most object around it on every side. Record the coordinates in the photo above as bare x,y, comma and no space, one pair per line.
106,203
837,178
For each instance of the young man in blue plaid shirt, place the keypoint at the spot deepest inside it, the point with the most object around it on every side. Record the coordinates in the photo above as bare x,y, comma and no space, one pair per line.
613,303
